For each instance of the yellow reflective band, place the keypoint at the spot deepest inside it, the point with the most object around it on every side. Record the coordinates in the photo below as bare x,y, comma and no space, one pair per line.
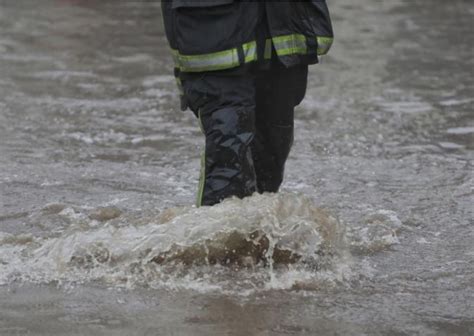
202,177
294,44
324,44
268,49
209,62
220,60
250,51
286,45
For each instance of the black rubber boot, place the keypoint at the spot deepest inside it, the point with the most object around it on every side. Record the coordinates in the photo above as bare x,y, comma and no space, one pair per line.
279,91
225,105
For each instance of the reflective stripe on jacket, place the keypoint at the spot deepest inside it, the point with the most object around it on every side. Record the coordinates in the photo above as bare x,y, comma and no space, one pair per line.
210,35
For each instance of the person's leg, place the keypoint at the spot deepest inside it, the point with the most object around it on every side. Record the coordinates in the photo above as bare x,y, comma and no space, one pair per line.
225,105
279,91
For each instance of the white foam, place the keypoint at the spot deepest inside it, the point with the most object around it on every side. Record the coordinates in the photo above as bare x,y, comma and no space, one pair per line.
406,107
378,231
460,130
455,102
450,145
123,251
122,254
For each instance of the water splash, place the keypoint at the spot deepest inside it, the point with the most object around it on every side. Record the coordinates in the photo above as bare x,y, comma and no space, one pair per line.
271,241
377,231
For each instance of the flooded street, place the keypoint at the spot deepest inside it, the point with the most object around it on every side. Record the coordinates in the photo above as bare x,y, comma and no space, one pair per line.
99,169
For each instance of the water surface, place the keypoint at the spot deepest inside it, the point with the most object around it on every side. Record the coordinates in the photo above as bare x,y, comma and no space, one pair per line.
99,168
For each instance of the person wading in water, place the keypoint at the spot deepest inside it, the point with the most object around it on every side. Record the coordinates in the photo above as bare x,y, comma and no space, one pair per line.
242,68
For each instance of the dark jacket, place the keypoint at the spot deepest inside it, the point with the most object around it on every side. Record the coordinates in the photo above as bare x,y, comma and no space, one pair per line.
210,35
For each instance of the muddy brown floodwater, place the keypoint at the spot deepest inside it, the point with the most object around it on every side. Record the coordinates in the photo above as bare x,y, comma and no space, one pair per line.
98,171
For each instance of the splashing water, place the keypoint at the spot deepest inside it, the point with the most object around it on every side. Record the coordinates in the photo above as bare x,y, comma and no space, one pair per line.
89,120
264,241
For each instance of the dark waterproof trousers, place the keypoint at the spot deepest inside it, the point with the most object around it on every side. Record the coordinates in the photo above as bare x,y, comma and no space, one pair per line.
247,117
